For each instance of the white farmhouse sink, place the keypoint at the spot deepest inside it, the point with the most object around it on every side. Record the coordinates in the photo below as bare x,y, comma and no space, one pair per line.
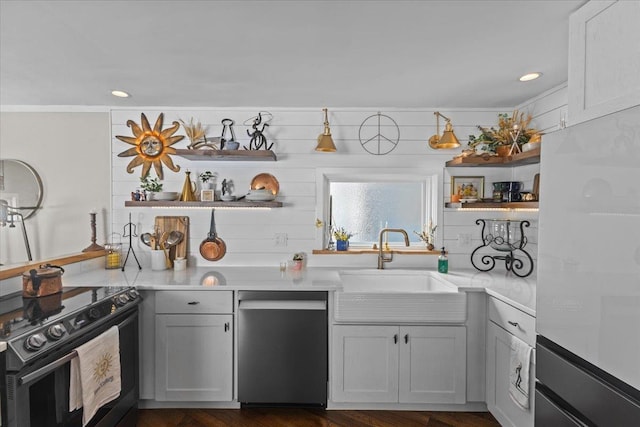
398,296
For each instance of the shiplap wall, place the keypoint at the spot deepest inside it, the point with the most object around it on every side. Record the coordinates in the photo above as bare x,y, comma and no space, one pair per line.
250,234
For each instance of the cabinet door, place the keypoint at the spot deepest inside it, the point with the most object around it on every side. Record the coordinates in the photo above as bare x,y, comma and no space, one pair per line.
146,346
365,363
499,402
603,59
194,357
433,364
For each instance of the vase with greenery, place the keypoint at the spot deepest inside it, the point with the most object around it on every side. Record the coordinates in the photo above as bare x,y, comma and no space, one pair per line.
511,130
208,179
342,238
150,186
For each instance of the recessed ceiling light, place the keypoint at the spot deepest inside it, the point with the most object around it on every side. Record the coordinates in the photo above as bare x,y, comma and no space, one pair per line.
530,76
120,93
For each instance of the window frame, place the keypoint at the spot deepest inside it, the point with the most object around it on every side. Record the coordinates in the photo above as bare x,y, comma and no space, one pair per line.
429,179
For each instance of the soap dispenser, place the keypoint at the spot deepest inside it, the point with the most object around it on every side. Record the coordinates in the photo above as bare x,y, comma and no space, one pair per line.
443,262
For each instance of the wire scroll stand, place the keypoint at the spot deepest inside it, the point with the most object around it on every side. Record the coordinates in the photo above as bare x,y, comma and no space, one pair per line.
130,234
516,259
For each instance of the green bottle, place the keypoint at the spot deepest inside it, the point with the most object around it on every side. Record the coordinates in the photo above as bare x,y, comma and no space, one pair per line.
443,262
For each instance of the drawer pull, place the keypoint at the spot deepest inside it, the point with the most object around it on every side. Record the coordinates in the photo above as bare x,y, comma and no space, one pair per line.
193,302
406,338
395,339
226,327
512,323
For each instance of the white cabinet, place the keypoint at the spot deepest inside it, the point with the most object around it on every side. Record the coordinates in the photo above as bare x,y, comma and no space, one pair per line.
406,364
604,59
194,357
506,321
194,346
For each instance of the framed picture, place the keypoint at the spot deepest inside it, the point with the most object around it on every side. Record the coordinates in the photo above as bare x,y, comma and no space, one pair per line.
467,188
207,195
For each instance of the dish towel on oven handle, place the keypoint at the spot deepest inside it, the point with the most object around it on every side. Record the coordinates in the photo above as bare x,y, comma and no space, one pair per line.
520,358
95,374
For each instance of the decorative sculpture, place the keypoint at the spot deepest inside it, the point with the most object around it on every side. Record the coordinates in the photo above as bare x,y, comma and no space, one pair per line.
151,146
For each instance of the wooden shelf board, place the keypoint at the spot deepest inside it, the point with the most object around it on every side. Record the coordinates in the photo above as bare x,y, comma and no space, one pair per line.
219,204
526,158
17,270
375,251
493,205
228,155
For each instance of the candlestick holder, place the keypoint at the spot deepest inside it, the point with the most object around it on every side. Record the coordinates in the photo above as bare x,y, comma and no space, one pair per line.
130,232
93,246
508,238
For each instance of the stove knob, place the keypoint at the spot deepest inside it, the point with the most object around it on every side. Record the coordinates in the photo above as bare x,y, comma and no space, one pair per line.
121,300
94,313
55,332
133,294
35,342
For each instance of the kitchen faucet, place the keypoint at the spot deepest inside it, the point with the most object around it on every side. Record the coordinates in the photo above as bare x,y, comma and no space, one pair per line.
381,258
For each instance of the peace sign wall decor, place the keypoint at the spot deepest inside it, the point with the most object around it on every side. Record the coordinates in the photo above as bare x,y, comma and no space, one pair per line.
376,140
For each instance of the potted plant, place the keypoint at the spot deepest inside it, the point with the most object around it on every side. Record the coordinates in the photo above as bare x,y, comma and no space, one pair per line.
208,179
150,185
511,129
428,235
298,261
342,238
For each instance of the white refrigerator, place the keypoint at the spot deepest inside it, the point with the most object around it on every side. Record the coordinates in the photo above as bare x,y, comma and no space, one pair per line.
588,292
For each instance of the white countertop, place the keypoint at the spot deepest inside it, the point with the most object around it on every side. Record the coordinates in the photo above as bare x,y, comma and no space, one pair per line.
519,292
516,291
3,346
207,278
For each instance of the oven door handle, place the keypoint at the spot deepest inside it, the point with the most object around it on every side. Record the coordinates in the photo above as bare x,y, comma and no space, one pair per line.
39,373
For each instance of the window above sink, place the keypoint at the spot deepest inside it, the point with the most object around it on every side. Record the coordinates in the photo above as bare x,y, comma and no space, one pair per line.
364,201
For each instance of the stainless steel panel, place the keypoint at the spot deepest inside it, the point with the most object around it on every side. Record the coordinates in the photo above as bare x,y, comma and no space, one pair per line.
597,399
282,350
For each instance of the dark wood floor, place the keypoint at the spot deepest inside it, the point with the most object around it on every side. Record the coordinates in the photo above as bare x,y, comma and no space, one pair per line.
281,417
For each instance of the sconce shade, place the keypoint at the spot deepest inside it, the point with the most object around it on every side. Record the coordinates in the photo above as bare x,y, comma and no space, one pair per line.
325,142
448,138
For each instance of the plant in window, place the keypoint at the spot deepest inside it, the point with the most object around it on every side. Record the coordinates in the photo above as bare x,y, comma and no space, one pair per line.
342,234
342,238
428,235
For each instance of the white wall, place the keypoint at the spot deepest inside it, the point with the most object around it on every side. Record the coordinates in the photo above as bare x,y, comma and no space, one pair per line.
69,150
250,234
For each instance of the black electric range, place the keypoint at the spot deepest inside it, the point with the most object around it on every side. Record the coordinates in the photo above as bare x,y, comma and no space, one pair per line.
33,327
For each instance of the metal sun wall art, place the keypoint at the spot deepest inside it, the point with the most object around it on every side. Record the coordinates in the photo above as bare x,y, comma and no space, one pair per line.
151,146
386,137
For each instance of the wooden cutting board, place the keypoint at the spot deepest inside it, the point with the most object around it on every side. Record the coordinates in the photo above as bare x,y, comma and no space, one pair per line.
169,224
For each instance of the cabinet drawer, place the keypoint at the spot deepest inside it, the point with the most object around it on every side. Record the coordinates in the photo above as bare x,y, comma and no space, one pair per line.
513,320
194,302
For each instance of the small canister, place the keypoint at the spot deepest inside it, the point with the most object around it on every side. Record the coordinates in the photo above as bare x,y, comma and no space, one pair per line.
114,254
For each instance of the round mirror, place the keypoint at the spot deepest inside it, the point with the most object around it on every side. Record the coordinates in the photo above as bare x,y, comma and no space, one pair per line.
20,187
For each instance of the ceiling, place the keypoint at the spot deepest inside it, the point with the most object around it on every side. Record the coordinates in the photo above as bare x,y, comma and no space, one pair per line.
405,54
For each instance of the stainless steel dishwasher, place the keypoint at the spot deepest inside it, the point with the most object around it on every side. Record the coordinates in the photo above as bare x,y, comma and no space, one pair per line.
282,348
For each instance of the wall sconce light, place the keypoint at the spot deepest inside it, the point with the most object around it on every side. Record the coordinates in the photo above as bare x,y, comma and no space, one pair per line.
325,142
448,139
10,214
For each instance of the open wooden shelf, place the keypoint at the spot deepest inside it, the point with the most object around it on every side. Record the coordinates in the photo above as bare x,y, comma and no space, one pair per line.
219,204
359,251
228,155
493,205
527,158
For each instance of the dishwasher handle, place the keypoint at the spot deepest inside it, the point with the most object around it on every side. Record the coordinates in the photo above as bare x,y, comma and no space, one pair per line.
281,305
